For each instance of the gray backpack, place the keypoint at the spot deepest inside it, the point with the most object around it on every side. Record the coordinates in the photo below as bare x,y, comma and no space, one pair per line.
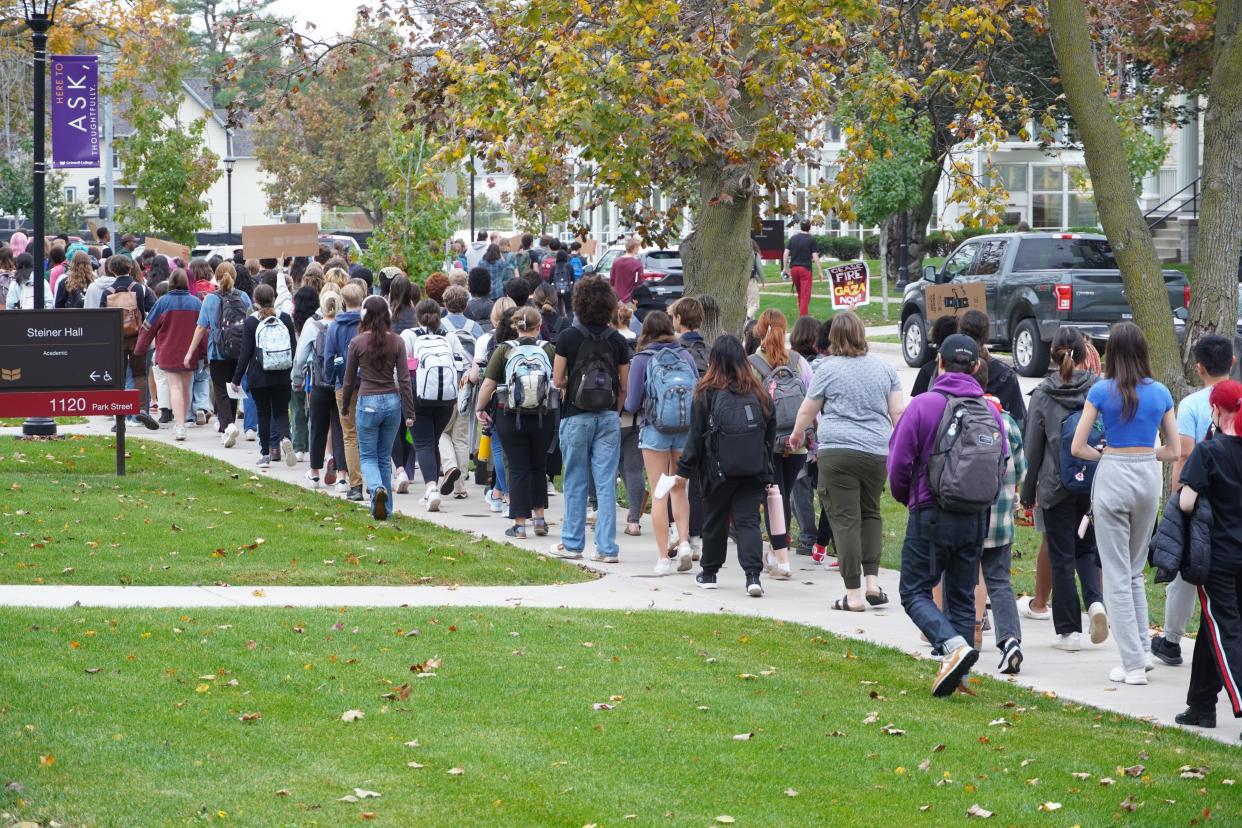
786,389
967,465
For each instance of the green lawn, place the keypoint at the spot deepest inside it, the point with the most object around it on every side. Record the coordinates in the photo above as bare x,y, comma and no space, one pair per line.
10,422
182,518
779,294
171,718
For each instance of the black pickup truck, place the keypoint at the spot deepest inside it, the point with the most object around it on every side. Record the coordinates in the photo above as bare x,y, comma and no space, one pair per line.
1033,283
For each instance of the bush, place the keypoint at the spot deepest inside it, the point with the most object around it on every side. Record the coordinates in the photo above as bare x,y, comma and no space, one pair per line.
871,245
1085,229
846,248
938,243
824,244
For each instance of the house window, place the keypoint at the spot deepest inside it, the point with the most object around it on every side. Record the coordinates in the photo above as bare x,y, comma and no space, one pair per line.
1011,176
71,194
1047,198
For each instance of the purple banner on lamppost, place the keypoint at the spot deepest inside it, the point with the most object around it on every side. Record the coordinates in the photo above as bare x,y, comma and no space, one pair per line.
75,110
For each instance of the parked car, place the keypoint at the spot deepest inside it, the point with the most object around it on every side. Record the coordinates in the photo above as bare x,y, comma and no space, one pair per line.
1033,283
662,271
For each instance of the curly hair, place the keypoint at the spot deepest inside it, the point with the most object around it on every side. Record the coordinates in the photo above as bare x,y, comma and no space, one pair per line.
435,285
594,301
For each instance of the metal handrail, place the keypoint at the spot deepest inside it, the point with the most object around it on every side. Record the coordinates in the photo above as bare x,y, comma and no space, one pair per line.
1193,186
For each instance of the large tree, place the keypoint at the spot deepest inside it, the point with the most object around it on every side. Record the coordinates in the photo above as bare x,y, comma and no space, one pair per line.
701,102
1096,120
234,43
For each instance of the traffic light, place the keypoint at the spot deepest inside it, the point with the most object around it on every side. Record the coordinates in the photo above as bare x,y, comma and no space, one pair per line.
93,190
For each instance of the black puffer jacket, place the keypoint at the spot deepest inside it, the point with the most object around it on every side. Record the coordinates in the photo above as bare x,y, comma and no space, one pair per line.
1182,543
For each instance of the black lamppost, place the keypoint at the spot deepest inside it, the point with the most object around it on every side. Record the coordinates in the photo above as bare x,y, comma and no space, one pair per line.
229,161
39,17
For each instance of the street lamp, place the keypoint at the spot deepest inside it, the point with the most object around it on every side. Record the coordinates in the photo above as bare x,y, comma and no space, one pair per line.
229,161
40,15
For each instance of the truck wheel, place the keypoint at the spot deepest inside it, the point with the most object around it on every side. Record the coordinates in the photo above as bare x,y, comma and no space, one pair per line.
1030,352
914,341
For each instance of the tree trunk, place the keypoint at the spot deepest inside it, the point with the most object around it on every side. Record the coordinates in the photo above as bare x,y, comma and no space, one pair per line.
920,215
717,255
1114,189
1214,293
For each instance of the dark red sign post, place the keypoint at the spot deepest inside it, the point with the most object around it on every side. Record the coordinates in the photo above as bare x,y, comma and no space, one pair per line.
66,363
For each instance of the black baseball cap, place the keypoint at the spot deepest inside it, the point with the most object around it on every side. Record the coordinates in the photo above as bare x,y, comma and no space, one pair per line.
959,350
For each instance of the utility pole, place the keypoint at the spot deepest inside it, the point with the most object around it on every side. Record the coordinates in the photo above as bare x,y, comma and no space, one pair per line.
108,212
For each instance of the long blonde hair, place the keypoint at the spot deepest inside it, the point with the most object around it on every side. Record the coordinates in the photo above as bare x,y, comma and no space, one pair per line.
771,329
80,274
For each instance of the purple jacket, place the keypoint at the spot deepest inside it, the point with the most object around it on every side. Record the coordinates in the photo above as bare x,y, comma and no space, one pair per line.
911,444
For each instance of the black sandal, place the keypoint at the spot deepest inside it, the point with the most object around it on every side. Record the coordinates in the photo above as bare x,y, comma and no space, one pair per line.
843,604
877,599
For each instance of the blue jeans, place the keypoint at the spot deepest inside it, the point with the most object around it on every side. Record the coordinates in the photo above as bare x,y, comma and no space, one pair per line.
201,390
949,544
378,417
590,449
498,463
250,412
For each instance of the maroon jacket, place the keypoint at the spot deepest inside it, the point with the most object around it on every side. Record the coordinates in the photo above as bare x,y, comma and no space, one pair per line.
170,325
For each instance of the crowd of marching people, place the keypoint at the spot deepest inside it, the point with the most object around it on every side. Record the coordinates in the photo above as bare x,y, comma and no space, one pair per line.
515,365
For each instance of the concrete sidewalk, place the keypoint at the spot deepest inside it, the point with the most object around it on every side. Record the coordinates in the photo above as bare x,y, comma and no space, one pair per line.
629,585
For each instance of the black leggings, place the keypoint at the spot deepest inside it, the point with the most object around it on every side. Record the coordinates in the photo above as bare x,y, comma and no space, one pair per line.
429,423
225,406
738,498
324,416
525,443
272,403
786,468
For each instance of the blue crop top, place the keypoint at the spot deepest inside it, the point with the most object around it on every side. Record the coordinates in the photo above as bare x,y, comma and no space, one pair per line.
1139,432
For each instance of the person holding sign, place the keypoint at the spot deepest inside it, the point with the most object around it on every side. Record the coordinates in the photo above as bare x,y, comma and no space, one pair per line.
801,258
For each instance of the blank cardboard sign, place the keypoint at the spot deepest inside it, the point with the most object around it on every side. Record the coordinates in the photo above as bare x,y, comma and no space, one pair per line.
271,241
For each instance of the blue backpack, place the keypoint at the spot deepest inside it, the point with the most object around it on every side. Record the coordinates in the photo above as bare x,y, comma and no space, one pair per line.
669,391
1077,475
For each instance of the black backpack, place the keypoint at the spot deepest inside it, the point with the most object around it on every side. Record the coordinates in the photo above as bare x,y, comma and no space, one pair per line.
563,278
230,327
736,444
697,348
593,377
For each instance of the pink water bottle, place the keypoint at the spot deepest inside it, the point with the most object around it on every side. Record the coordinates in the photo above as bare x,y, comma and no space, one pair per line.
776,511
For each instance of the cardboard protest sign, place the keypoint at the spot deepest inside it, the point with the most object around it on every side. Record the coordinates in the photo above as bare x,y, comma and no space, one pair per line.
515,242
271,241
588,249
851,285
167,248
954,299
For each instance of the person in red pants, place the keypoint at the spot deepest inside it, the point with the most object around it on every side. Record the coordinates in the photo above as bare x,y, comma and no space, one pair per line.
801,258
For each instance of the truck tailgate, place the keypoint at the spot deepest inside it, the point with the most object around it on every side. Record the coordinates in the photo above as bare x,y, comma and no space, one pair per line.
1100,294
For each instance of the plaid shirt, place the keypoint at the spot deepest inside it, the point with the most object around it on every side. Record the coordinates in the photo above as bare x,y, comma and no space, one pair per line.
1000,521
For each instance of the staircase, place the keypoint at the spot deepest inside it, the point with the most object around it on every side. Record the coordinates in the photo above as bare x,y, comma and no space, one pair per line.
1168,238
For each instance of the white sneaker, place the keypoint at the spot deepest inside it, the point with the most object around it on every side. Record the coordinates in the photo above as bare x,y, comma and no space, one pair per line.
251,435
769,561
342,483
286,451
229,437
494,503
1070,642
1024,608
401,481
1099,623
696,547
312,479
300,455
1123,676
685,557
1149,663
179,433
781,571
665,566
432,497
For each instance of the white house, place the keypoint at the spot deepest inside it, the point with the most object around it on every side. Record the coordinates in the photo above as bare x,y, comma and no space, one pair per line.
249,203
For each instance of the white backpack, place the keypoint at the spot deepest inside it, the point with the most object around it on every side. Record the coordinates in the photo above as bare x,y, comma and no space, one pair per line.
437,375
274,345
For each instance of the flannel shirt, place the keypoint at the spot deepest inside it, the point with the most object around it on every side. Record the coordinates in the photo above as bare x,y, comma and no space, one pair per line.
1001,519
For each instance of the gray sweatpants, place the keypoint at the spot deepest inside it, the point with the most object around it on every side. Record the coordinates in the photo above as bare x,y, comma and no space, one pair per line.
1124,500
1180,599
997,563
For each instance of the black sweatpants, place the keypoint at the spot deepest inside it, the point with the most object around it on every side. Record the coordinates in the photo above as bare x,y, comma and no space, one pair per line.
1071,555
323,415
225,407
736,498
525,441
429,423
1217,661
272,403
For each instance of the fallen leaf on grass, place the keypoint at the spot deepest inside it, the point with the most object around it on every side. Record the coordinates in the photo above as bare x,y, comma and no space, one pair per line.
90,671
413,743
1188,772
1001,722
1226,781
46,760
790,792
1105,781
414,765
368,814
925,765
938,749
250,717
1128,804
1080,775
743,737
890,730
977,811
362,793
872,717
747,676
603,706
725,819
283,792
1049,807
456,771
400,694
1134,770
352,715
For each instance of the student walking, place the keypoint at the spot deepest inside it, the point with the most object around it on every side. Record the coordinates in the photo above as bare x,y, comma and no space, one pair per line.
997,554
729,448
1064,500
135,300
266,360
949,492
687,314
323,417
785,376
801,259
1214,471
221,321
802,341
592,369
523,418
170,326
1213,361
376,367
1134,408
858,399
336,346
661,389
